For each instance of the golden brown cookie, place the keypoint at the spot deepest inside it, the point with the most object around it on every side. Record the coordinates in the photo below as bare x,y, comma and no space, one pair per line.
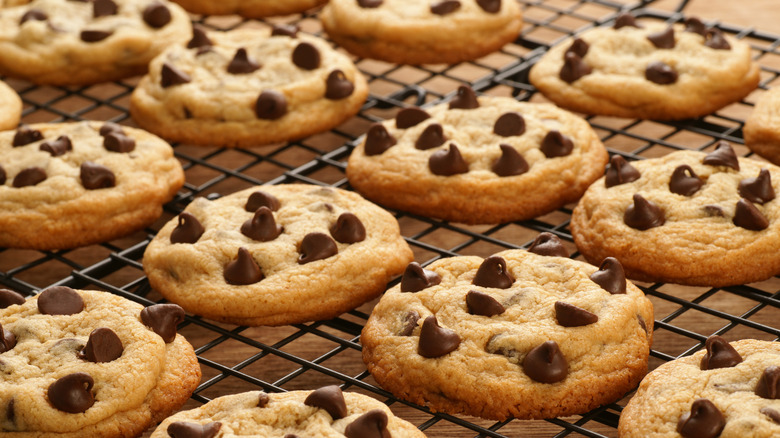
249,8
11,106
762,127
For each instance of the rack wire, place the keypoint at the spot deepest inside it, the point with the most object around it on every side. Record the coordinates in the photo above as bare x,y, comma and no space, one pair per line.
306,356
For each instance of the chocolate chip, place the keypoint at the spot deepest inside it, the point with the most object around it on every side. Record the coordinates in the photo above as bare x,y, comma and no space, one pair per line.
757,190
769,412
490,6
749,217
72,393
643,214
723,155
33,14
101,8
243,270
408,117
509,124
619,172
663,39
262,400
348,229
171,76
465,98
378,140
573,68
29,177
555,144
262,226
199,38
447,162
569,315
445,7
548,244
693,24
416,278
719,354
716,40
60,300
431,137
545,363
9,298
769,383
93,36
480,303
7,340
188,230
157,15
684,181
330,398
10,413
337,86
288,30
316,246
57,147
409,323
270,105
703,421
510,163
625,19
436,341
372,424
493,273
163,319
182,429
306,56
714,211
610,276
26,135
242,63
660,73
118,142
2,175
642,322
579,47
109,128
261,199
103,345
369,3
96,176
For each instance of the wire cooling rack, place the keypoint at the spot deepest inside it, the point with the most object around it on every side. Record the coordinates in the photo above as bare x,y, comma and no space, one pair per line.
306,356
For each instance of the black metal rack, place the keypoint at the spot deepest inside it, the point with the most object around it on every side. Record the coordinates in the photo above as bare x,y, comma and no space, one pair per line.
306,356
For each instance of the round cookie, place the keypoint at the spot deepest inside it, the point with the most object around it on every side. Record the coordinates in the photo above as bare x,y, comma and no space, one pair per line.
689,218
11,105
276,255
249,8
247,87
762,127
64,42
325,412
78,363
478,160
651,72
422,32
727,391
524,334
74,184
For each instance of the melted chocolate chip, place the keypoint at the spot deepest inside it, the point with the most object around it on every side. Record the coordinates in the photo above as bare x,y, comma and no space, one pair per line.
684,181
431,137
7,340
369,3
96,176
118,142
243,270
548,244
93,36
769,383
569,315
348,229
545,363
757,190
465,98
703,421
9,298
242,63
409,323
26,135
188,230
490,6
60,300
493,273
610,276
416,278
171,76
60,146
10,413
103,345
480,303
716,40
555,144
660,73
445,7
573,68
378,140
262,400
663,39
29,177
2,175
625,19
163,319
72,393
749,217
619,172
101,8
693,24
270,105
182,429
723,155
642,323
408,117
33,14
719,354
316,246
714,211
337,86
262,226
331,399
447,162
288,30
436,341
157,15
262,199
769,412
510,163
509,124
372,424
579,47
199,38
306,56
643,214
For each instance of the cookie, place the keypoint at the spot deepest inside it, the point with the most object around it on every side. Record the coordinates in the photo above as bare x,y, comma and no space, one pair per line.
78,363
728,390
762,127
322,412
247,87
64,42
74,184
647,70
422,32
478,159
695,218
275,255
249,8
11,105
524,334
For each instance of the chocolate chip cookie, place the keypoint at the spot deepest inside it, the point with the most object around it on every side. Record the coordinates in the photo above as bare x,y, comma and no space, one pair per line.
422,32
696,218
78,363
249,8
275,255
322,412
524,334
762,127
728,390
478,159
247,87
11,105
647,70
74,184
63,42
